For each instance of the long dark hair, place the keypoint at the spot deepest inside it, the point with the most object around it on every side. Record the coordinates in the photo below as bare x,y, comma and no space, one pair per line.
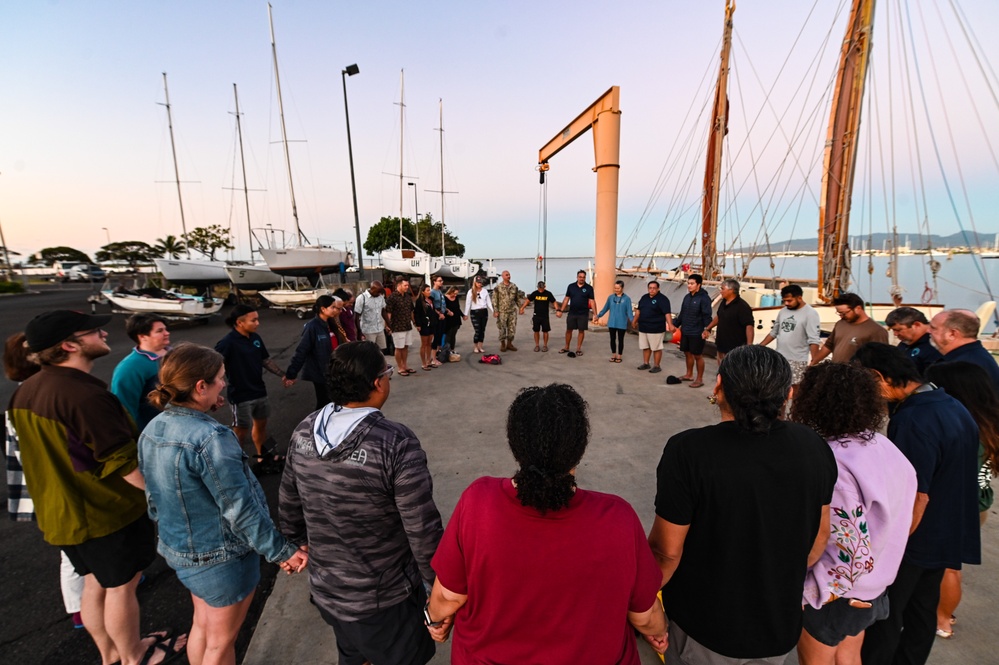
548,430
755,381
970,385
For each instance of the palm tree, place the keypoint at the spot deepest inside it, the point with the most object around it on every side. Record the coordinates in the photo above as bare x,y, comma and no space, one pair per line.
170,247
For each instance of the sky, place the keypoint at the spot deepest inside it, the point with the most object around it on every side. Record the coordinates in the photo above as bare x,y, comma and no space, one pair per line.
85,152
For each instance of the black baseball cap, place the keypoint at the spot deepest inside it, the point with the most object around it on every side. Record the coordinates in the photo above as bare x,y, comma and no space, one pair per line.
48,329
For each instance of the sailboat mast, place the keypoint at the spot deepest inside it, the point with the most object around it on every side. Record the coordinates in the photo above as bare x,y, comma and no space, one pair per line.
712,166
284,132
841,150
176,169
440,106
402,122
242,160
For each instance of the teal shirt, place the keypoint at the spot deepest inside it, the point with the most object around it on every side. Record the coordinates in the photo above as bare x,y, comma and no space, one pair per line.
621,313
134,378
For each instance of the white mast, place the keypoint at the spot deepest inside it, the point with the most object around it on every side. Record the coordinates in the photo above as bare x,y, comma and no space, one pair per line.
284,133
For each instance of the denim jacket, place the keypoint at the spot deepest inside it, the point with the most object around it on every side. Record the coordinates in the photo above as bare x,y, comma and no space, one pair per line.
201,493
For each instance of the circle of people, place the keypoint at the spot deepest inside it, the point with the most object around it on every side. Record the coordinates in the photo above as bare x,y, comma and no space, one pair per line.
799,520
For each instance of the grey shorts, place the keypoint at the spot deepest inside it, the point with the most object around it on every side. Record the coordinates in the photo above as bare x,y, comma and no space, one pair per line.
837,620
685,649
376,337
244,413
652,341
577,321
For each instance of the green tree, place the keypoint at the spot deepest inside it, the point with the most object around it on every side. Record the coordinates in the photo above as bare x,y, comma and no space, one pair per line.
208,239
53,254
132,252
170,247
385,235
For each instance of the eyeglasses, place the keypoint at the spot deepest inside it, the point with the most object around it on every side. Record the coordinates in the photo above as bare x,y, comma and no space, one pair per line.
843,313
99,331
387,372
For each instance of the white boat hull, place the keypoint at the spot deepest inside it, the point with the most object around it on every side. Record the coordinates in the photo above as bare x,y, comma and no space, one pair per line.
293,298
181,305
252,277
192,272
410,262
457,267
305,261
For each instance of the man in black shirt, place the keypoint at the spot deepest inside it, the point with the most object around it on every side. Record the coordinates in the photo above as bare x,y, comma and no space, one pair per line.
913,332
579,298
734,320
543,300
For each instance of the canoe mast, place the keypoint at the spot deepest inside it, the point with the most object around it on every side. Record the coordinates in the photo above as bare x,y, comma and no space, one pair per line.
839,163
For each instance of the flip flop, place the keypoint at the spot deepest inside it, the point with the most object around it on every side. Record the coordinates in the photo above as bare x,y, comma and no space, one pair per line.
166,645
427,369
578,352
613,360
686,378
565,350
697,384
617,360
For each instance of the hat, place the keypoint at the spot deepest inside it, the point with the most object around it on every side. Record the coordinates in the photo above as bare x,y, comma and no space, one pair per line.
48,329
673,380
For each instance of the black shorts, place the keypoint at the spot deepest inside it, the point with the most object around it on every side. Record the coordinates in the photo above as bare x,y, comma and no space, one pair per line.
394,635
577,321
541,323
837,620
118,557
693,344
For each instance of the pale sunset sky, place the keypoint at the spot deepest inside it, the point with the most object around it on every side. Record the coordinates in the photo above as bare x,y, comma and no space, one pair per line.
84,144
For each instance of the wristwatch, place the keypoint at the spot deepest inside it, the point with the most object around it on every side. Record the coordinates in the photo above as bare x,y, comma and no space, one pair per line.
427,621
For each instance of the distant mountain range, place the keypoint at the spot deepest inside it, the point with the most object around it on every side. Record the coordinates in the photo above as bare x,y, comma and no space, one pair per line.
880,240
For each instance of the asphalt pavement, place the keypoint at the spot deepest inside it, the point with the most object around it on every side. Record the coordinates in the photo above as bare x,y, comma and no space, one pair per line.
459,413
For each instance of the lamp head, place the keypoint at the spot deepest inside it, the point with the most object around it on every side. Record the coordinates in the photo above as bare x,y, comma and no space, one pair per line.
350,70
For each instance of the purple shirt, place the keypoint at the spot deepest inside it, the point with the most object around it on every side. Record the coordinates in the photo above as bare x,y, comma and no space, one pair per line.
871,512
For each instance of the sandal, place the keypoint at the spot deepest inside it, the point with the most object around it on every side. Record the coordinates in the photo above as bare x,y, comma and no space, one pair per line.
427,369
579,352
537,348
267,462
544,349
165,644
697,384
617,360
565,350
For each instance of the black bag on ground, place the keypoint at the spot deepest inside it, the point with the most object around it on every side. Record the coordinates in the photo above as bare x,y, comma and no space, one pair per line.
444,353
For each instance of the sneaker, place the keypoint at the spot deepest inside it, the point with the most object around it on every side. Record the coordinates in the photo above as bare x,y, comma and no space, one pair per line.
644,366
77,620
655,370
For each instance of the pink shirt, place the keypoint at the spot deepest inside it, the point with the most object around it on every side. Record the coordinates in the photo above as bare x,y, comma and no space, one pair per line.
871,512
552,588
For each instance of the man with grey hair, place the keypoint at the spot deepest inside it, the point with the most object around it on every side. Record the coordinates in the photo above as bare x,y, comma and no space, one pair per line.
913,331
734,320
369,310
955,333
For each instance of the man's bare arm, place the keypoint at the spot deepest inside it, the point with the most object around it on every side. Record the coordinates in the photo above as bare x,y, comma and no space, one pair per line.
666,540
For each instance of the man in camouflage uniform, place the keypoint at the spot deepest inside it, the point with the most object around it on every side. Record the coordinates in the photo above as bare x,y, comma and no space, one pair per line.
506,296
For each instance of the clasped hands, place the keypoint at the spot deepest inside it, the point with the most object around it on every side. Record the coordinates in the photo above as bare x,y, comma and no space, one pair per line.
297,562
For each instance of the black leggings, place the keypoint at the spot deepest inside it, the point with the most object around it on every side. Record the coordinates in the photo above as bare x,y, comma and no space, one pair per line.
616,339
479,318
451,336
322,394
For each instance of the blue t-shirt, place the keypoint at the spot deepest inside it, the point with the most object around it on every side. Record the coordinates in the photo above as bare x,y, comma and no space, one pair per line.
940,439
975,354
652,313
922,352
579,298
244,366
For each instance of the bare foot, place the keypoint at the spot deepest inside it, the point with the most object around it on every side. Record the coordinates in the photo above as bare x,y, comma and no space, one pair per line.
158,647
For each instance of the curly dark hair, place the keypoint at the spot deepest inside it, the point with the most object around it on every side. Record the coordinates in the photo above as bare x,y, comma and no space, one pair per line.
353,370
755,382
547,429
837,400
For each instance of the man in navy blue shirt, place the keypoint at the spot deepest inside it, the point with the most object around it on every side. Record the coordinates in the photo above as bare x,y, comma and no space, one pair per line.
652,320
695,315
955,333
913,332
246,358
940,439
579,298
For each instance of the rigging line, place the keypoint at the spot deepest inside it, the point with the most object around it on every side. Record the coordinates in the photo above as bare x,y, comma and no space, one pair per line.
950,135
967,88
966,28
891,157
936,150
919,190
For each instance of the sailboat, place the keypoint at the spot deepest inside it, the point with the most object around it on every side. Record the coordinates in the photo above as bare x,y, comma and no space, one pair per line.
186,272
409,260
248,276
451,266
839,163
303,259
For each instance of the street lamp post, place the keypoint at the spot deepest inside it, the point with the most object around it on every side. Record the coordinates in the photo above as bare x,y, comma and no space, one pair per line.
107,233
350,71
416,211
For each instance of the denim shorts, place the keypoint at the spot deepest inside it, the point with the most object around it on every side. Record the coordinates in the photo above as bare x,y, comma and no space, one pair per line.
838,620
223,584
